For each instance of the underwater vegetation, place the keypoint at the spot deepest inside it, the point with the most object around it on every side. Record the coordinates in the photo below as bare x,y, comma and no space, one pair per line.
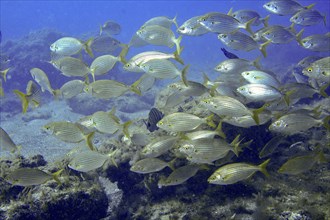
80,141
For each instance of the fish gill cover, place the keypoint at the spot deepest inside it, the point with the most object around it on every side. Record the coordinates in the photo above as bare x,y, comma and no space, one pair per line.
164,110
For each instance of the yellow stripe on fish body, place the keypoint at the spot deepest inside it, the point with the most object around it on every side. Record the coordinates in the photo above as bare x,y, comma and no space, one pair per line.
107,89
89,160
301,164
149,165
42,79
241,41
261,77
180,121
223,23
259,92
71,88
316,42
65,131
103,64
236,65
158,35
159,146
179,175
235,172
226,106
296,122
30,177
67,46
70,66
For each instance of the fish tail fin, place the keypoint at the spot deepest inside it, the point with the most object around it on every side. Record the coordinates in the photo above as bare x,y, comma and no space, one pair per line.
171,164
24,100
184,73
310,6
326,122
316,111
206,80
256,62
123,53
92,72
88,47
209,121
236,145
57,94
256,113
298,36
177,56
89,140
56,175
125,128
265,20
4,74
2,92
323,90
263,167
112,157
291,28
287,96
112,114
247,26
134,87
177,42
263,46
219,130
174,21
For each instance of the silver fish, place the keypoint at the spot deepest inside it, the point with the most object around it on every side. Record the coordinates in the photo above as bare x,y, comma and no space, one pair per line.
222,23
308,17
284,7
192,27
259,92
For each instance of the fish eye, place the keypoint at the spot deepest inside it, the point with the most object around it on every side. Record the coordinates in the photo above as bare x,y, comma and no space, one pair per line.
310,69
247,73
182,28
323,73
212,22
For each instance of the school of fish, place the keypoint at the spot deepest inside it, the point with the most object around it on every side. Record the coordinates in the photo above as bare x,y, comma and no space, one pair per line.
245,95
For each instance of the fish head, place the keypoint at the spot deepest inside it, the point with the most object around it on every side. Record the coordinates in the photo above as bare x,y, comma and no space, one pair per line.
184,29
136,167
187,148
53,47
128,66
308,71
243,90
223,37
215,178
271,6
48,128
246,74
296,19
306,43
278,126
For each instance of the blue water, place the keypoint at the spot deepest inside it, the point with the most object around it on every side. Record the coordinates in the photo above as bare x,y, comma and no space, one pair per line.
82,19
